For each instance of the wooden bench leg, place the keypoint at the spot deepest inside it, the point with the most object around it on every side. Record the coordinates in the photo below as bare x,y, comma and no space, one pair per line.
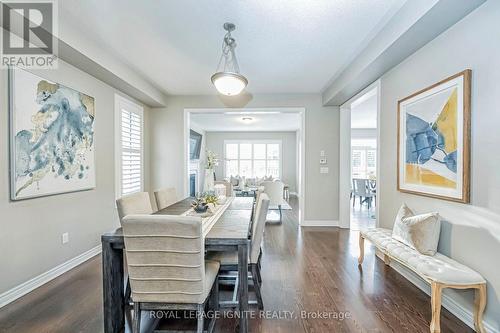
436,292
479,305
361,249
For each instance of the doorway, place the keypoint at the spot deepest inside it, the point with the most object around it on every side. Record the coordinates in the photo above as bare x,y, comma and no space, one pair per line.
359,159
250,144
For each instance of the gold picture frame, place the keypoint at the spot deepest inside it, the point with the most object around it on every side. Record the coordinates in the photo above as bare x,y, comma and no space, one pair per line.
434,140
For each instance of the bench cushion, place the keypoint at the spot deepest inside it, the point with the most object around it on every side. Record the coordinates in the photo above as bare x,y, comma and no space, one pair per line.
438,268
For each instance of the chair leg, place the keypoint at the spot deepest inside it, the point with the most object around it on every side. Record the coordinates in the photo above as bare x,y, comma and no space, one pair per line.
235,291
353,201
256,286
259,277
128,291
361,250
201,322
215,295
436,290
281,215
479,305
136,321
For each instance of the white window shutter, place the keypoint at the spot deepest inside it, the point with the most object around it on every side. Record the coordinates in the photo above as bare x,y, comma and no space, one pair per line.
131,159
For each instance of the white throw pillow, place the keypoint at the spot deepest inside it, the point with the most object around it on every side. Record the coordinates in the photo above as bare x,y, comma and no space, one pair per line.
420,232
234,181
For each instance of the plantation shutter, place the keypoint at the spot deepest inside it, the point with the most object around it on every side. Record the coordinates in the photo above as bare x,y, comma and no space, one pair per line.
131,171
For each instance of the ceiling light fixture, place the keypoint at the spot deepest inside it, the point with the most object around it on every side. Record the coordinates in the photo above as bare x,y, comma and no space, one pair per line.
228,80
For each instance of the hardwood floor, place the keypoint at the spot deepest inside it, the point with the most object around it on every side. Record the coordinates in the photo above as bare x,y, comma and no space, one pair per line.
303,269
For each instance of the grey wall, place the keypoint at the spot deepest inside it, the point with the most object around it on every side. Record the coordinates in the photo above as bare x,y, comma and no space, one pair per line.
215,142
470,233
30,237
321,131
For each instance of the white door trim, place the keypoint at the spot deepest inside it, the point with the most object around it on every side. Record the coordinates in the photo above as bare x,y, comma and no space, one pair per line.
301,133
345,156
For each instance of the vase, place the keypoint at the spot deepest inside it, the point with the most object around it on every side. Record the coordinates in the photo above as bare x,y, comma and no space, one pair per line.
208,186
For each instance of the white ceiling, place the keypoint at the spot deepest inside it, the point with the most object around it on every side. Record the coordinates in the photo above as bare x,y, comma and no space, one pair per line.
292,46
233,122
364,111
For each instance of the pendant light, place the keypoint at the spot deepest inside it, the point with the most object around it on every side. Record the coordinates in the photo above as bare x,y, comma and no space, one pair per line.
227,79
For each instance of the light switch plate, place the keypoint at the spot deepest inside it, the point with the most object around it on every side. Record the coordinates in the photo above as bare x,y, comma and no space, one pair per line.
65,238
323,170
323,160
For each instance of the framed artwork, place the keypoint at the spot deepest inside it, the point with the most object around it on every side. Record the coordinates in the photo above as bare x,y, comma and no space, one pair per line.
434,140
51,137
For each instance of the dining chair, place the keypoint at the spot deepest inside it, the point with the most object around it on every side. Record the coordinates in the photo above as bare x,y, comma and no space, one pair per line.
165,197
274,189
229,260
361,188
228,185
167,268
136,203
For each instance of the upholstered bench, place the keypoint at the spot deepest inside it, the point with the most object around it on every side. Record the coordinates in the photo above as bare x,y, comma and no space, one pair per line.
438,270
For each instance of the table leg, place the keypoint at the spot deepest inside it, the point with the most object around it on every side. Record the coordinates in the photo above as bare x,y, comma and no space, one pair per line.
113,298
243,286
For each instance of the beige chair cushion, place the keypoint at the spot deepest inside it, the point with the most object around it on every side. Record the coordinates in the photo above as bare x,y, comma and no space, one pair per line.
165,197
165,258
225,258
438,268
136,203
420,232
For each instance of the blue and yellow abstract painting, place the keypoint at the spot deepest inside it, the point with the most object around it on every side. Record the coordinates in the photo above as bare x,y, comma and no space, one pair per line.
433,140
431,145
52,137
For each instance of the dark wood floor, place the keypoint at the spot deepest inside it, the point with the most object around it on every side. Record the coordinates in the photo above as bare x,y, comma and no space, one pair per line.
304,269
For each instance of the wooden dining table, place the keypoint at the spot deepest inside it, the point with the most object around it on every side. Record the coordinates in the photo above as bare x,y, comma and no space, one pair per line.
230,232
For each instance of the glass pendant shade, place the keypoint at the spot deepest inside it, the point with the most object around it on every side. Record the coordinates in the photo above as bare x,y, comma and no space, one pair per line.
228,83
227,79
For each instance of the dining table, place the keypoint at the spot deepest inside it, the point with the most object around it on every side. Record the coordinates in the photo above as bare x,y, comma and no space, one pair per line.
227,230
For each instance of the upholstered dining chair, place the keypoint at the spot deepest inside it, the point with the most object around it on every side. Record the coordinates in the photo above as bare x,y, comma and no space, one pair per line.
275,192
229,260
228,185
165,197
136,203
361,188
167,267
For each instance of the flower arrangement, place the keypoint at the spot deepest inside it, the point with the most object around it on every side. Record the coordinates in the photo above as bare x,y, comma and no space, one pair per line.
212,160
211,198
203,201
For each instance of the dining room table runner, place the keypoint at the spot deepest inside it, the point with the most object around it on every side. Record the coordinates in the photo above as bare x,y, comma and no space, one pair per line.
208,220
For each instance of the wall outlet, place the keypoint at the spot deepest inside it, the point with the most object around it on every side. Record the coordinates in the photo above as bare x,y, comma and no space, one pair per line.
65,238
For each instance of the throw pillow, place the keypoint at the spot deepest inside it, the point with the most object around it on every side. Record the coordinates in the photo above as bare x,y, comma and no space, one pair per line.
420,232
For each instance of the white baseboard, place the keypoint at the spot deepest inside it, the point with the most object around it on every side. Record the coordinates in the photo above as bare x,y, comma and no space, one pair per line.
319,223
465,315
24,288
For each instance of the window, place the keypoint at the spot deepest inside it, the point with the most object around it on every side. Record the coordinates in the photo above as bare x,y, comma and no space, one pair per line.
252,158
364,158
130,147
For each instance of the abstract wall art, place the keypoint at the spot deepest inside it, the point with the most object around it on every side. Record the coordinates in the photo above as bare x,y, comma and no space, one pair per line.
51,137
434,140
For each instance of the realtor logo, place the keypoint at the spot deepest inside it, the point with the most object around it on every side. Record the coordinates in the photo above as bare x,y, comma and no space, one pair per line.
28,39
